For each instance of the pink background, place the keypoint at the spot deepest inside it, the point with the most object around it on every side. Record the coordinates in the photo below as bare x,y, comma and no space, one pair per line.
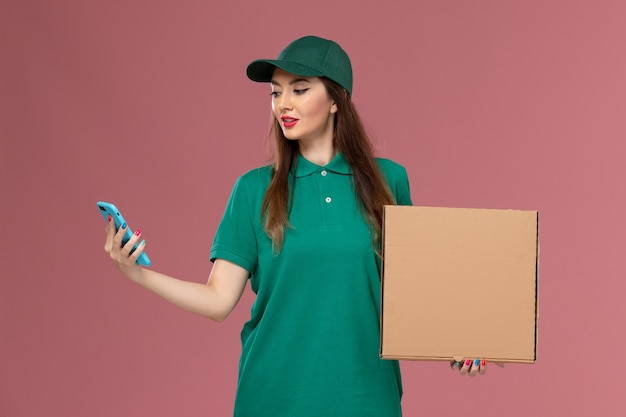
495,104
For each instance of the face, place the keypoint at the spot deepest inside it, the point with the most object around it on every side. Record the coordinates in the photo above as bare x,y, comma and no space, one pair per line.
302,107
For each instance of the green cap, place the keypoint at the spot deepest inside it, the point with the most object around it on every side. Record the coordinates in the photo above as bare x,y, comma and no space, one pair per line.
309,56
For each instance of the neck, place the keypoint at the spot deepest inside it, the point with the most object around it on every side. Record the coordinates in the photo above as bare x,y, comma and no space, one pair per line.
318,152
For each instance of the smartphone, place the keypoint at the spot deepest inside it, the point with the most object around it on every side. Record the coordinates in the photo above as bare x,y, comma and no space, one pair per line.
108,209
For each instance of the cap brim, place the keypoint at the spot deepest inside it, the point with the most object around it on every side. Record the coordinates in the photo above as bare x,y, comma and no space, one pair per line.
261,70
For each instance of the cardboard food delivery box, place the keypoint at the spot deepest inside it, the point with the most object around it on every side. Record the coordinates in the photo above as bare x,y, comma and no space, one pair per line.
459,283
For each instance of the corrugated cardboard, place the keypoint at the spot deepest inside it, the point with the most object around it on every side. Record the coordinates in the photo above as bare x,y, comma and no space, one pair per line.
459,283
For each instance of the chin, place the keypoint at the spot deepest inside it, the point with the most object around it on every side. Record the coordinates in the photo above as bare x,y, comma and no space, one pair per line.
289,136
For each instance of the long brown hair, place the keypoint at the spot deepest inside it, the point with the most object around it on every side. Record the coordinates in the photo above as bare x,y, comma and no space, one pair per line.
351,140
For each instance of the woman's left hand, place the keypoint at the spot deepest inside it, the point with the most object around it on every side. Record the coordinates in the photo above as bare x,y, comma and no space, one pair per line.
471,367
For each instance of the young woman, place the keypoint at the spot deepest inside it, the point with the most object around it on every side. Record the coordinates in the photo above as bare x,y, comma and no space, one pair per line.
305,232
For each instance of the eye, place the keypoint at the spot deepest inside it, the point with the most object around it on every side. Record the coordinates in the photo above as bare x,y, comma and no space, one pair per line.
274,94
300,91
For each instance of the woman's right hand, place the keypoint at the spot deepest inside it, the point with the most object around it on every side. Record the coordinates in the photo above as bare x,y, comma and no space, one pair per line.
215,299
121,256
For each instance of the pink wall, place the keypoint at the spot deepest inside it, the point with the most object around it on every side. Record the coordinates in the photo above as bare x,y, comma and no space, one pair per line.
497,104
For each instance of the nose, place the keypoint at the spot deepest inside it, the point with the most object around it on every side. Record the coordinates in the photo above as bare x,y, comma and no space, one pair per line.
284,101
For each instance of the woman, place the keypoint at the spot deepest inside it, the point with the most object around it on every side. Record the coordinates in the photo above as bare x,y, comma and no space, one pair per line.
305,231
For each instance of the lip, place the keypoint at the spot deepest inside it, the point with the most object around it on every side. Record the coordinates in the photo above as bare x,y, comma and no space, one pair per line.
288,121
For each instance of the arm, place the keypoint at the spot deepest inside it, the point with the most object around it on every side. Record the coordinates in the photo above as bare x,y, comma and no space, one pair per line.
215,299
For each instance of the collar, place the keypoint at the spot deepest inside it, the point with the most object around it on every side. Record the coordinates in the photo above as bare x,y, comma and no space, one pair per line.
338,165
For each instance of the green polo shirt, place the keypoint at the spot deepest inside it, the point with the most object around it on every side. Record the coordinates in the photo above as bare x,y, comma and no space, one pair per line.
310,348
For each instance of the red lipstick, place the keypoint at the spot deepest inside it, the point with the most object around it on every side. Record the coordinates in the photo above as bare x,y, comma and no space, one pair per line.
288,121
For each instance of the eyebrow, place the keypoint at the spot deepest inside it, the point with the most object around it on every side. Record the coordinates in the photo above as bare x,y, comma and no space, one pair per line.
292,82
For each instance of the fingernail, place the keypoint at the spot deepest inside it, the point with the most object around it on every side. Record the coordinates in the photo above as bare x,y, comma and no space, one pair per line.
468,362
477,362
483,363
124,226
138,232
110,218
143,242
457,364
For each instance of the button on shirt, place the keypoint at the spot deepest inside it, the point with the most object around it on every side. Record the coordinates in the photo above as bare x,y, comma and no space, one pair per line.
311,345
332,184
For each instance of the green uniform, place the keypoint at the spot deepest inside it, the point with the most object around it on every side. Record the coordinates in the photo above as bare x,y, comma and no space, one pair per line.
311,346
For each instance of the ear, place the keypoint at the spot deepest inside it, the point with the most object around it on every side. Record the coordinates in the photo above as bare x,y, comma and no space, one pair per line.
333,108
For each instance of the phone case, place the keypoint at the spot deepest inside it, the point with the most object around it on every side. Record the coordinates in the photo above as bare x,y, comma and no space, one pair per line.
107,209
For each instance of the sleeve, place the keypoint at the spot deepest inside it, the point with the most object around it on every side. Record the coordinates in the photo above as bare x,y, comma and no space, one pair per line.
235,239
398,181
402,190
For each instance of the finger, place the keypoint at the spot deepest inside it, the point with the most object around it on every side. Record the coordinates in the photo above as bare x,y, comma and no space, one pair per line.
131,243
138,251
118,237
455,365
483,367
475,367
110,232
466,367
